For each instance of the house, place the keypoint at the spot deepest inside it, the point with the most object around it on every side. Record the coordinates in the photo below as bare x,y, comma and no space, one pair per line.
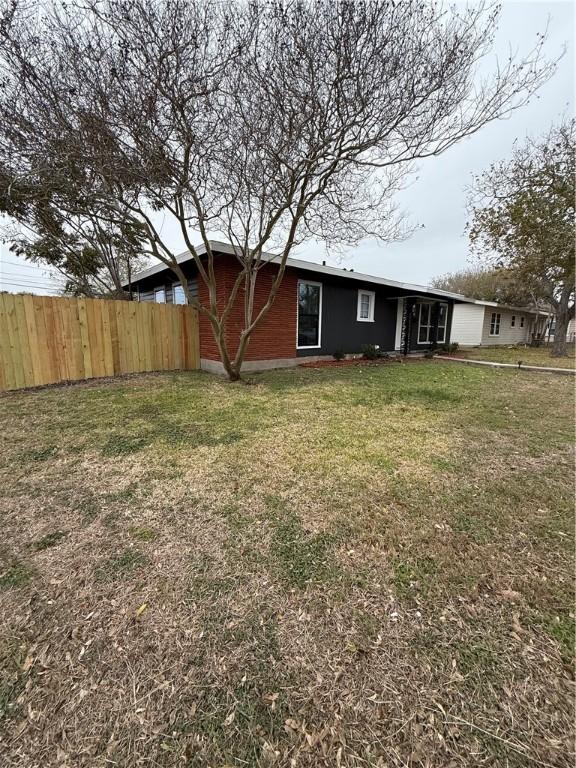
570,331
318,310
487,323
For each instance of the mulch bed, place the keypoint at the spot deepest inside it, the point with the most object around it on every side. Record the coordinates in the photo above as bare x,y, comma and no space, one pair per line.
351,361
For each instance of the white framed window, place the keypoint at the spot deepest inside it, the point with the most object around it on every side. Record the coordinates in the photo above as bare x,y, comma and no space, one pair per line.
365,309
160,295
424,323
495,324
521,322
309,320
442,323
513,321
178,296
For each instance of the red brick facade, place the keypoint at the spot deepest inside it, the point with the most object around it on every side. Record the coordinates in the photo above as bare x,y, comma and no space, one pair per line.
275,337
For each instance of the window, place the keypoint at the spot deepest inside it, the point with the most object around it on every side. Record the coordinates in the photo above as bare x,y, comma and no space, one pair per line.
424,323
521,322
309,314
495,324
178,296
442,318
513,321
365,311
160,295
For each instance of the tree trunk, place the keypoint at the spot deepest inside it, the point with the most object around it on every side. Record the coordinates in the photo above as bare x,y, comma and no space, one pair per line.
232,369
560,331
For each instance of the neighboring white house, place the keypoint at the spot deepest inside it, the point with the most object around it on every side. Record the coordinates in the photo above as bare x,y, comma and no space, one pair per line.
570,332
486,323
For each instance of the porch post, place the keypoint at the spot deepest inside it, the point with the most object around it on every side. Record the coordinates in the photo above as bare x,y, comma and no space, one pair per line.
435,319
406,326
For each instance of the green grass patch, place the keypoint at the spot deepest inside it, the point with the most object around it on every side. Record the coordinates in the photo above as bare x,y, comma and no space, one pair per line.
50,540
300,558
414,577
143,533
38,454
562,628
123,445
121,565
14,575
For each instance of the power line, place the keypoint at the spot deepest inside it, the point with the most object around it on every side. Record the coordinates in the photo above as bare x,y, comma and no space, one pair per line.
34,283
28,276
54,289
21,264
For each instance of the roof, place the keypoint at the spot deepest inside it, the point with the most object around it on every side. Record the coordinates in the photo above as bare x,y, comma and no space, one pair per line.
526,310
310,266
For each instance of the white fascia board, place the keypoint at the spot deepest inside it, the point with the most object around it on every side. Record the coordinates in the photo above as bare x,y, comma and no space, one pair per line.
309,266
509,307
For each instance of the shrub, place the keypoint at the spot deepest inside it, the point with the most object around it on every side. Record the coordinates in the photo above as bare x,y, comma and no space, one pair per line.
450,348
370,351
338,355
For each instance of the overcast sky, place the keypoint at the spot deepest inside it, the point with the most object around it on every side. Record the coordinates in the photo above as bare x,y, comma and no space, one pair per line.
435,199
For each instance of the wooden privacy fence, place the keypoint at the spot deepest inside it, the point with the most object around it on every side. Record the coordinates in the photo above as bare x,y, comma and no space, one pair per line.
44,339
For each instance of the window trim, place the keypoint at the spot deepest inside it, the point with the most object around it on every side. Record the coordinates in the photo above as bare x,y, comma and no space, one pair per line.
513,322
309,282
161,289
182,303
372,302
522,321
496,321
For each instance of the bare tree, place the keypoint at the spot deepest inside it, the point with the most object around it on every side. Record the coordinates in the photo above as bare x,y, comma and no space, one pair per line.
269,122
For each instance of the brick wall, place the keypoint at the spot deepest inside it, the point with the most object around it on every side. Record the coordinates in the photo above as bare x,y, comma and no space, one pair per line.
275,337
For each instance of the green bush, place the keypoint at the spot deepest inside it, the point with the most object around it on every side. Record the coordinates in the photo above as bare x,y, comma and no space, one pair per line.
450,348
338,355
370,352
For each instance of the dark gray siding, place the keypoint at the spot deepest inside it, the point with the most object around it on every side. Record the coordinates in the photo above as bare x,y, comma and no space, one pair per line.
148,294
340,328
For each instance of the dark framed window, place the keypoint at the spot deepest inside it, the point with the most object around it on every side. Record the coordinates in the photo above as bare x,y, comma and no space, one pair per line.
309,314
442,322
521,322
513,321
424,323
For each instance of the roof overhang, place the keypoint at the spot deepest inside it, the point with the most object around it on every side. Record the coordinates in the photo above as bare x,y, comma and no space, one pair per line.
310,266
510,308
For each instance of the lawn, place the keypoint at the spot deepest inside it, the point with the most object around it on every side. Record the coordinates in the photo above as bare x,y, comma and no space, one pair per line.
366,566
528,356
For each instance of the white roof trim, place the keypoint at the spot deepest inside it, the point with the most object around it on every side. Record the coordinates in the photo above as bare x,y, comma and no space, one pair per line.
510,308
310,266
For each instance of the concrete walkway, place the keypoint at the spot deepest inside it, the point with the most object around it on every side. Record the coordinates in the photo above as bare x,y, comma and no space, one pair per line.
516,366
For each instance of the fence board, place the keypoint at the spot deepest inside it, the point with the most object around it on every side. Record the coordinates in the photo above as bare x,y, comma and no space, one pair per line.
44,340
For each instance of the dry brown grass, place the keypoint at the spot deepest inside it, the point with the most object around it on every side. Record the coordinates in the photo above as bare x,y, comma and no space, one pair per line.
368,567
